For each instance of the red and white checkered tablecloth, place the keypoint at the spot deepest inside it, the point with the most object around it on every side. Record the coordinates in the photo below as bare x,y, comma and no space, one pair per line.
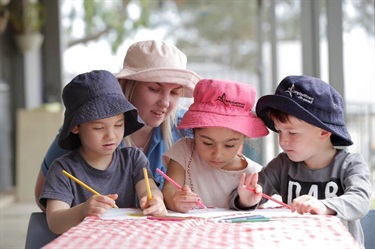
313,231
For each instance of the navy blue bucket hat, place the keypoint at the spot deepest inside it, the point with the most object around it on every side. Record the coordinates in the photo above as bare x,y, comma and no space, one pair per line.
91,96
311,100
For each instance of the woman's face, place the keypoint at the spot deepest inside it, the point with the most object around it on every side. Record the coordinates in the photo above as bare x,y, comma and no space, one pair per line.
155,101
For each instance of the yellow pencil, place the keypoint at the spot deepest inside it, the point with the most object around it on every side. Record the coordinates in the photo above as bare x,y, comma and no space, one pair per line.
83,184
149,194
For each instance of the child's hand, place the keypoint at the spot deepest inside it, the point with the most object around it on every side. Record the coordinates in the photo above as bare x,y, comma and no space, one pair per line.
154,206
309,204
185,200
248,198
97,205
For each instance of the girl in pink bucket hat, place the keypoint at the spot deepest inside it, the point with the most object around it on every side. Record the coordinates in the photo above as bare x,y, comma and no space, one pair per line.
209,165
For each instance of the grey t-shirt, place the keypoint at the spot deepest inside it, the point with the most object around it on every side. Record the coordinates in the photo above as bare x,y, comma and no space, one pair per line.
343,186
121,176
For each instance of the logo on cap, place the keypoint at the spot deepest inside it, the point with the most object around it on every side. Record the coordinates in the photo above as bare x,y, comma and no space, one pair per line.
226,102
302,96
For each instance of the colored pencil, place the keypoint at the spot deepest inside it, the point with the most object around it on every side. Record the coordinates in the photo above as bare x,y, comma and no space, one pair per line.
252,216
268,197
250,220
244,220
79,182
177,185
149,194
168,218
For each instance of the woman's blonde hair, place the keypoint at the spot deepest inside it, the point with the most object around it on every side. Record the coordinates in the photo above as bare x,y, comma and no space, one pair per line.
167,125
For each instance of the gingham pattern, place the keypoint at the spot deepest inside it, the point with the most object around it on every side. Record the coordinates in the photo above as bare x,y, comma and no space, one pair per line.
304,232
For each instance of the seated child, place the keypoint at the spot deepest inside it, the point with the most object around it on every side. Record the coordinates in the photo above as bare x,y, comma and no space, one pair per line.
210,164
97,117
311,174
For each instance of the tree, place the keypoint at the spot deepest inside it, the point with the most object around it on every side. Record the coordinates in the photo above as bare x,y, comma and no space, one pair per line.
113,20
361,14
231,26
226,29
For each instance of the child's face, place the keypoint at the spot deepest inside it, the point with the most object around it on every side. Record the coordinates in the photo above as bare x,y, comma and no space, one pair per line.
101,137
301,141
219,146
155,101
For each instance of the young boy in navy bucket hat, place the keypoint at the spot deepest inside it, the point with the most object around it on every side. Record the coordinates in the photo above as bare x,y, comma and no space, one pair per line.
97,117
311,174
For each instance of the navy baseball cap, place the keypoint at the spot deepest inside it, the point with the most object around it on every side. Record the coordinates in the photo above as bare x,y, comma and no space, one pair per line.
311,100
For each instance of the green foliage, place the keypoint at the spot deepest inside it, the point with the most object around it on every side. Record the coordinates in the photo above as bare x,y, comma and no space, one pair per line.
109,20
27,17
230,27
229,24
363,16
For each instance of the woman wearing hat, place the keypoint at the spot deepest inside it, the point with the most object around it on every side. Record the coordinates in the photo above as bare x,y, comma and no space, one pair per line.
153,78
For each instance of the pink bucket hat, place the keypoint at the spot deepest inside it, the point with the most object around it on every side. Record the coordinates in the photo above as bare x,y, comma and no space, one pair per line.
219,103
158,61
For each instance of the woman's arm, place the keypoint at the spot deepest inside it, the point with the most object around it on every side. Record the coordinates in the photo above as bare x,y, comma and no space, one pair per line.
53,152
38,189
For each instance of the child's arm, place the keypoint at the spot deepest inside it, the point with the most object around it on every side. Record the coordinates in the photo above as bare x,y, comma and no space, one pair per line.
61,217
309,204
246,198
354,202
180,200
154,206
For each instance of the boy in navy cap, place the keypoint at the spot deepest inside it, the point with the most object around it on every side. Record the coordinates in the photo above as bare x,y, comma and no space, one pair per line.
97,117
311,174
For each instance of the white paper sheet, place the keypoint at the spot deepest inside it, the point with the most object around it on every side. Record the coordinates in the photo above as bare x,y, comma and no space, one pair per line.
134,213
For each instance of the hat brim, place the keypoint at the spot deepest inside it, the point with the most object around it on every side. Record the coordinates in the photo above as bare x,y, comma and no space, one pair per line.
186,78
339,137
251,126
90,111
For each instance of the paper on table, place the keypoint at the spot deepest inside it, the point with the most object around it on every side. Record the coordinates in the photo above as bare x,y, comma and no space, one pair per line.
210,213
278,213
134,213
123,214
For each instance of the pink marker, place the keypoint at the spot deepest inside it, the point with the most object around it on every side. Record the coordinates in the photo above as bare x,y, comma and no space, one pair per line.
177,185
268,197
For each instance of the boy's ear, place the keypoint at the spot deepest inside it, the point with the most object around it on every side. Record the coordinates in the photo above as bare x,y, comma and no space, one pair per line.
325,134
75,130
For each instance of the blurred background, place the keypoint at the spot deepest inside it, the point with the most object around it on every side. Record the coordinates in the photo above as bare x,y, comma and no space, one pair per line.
45,43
